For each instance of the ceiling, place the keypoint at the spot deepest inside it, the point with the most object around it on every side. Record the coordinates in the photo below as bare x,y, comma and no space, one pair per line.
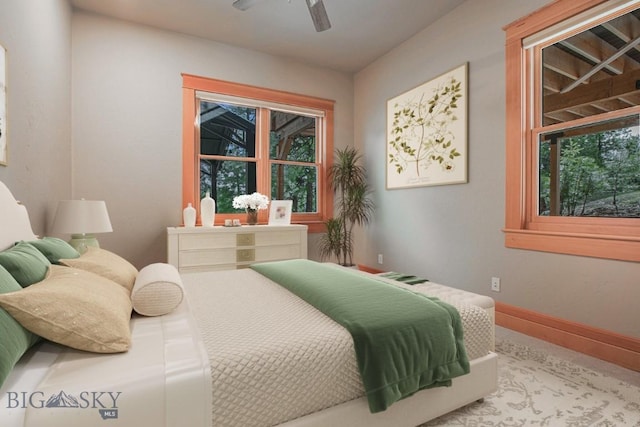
593,72
362,30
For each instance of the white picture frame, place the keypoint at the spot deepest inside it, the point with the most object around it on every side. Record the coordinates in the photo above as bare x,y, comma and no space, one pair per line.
280,212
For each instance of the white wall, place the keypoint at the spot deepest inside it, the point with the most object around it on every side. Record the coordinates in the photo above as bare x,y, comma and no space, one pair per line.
127,119
452,234
37,37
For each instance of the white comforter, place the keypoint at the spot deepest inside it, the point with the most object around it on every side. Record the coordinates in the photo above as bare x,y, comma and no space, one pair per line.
274,357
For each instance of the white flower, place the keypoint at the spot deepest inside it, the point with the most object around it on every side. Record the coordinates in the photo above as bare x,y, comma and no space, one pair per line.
448,166
251,201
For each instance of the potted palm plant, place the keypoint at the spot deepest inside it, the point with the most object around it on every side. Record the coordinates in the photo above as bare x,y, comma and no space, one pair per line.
353,205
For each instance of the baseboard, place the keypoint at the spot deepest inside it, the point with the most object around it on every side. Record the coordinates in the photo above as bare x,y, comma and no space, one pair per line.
605,345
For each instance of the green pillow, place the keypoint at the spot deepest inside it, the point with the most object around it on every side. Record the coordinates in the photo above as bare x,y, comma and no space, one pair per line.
54,249
7,282
25,263
15,339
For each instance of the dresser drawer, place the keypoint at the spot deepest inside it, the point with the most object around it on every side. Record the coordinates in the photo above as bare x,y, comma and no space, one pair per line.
245,255
210,257
275,253
206,241
202,268
245,239
278,238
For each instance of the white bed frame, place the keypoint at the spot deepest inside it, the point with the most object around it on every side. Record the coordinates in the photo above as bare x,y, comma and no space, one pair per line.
412,411
415,410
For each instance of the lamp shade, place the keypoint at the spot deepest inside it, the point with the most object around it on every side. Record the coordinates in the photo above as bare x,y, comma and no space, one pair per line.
82,217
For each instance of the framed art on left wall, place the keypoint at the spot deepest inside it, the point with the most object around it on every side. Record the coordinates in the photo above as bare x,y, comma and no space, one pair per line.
3,106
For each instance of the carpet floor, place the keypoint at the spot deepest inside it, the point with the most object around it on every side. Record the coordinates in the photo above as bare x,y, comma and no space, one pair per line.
541,384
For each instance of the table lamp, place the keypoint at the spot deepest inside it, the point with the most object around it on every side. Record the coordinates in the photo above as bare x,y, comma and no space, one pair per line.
82,218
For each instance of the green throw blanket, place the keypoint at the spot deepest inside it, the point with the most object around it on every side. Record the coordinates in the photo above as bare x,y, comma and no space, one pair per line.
404,341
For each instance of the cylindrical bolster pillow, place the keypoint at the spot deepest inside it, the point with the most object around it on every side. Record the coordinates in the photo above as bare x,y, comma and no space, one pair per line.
157,290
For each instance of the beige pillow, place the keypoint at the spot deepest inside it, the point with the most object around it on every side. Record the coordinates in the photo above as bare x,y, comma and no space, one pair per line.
106,264
75,308
158,290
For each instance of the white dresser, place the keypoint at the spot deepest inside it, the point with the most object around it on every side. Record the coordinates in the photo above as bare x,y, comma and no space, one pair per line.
227,248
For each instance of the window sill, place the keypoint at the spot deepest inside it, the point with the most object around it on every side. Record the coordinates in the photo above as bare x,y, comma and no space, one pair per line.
591,245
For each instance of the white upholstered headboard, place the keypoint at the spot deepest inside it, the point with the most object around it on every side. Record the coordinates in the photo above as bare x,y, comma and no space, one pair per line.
14,220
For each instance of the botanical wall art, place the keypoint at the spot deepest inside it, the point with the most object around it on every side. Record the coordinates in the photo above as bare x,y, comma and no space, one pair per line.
3,106
427,133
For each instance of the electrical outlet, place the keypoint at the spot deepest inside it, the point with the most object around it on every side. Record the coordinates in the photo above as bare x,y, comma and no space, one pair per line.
495,284
380,259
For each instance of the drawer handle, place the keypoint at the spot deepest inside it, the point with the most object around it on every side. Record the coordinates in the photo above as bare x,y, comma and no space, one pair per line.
245,255
245,239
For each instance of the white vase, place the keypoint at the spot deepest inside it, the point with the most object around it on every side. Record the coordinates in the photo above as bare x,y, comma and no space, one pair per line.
189,216
207,211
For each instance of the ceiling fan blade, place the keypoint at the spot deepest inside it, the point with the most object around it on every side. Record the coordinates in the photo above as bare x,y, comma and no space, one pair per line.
318,15
244,4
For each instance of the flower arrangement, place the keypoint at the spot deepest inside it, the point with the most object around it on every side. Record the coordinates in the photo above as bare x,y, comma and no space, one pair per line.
253,201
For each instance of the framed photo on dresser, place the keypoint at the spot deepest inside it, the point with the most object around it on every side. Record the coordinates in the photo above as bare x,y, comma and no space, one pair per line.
280,212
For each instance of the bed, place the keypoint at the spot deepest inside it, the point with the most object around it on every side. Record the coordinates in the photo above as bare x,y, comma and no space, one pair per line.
239,350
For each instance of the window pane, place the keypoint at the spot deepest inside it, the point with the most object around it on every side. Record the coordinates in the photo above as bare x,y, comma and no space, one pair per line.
297,183
592,170
292,137
227,130
225,179
592,72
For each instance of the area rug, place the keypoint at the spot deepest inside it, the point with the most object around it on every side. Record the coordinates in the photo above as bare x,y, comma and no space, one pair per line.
537,389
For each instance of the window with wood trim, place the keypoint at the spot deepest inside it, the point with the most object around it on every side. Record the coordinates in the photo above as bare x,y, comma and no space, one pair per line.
572,130
240,139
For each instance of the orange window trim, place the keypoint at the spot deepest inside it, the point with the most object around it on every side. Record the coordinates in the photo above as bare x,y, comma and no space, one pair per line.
610,238
190,138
